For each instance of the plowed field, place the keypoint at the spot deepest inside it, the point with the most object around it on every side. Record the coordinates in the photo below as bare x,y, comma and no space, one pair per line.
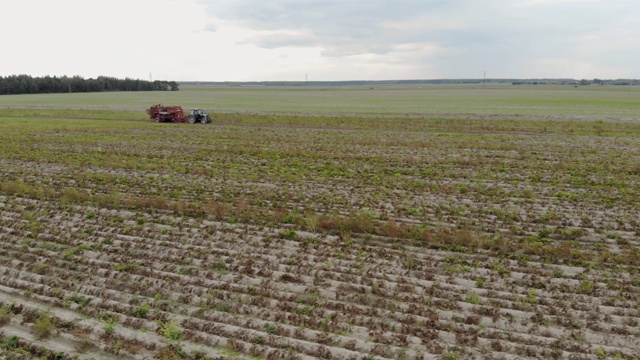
300,237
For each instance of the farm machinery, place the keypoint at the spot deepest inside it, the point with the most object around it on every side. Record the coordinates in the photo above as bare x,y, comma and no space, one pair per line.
161,113
196,115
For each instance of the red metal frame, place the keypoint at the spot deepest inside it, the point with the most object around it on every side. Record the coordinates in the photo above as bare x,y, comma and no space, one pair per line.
160,113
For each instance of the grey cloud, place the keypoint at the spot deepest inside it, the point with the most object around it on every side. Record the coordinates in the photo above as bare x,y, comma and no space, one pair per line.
338,26
211,28
284,40
493,33
327,17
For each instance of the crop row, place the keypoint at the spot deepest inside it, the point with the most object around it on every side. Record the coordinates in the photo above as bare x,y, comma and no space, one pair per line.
328,240
201,273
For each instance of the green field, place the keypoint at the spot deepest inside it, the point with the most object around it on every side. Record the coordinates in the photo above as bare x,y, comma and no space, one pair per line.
517,101
446,222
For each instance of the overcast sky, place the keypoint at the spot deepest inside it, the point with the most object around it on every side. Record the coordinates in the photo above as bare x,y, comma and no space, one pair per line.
258,40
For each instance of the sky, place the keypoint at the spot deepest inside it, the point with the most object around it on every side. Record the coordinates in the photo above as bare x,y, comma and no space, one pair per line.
321,40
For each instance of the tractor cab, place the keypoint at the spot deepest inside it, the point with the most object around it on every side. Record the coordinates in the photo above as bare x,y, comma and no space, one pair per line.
197,116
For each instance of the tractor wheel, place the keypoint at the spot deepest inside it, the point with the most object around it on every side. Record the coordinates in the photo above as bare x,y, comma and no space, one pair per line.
156,119
203,120
192,119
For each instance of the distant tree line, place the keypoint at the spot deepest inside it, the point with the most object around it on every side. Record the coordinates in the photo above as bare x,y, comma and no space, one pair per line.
582,82
335,83
26,84
373,83
528,83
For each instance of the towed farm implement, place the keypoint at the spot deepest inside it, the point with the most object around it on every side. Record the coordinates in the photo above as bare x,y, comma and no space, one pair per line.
161,113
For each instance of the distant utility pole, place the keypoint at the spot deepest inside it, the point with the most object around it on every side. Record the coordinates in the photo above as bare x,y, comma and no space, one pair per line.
484,81
306,81
150,77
